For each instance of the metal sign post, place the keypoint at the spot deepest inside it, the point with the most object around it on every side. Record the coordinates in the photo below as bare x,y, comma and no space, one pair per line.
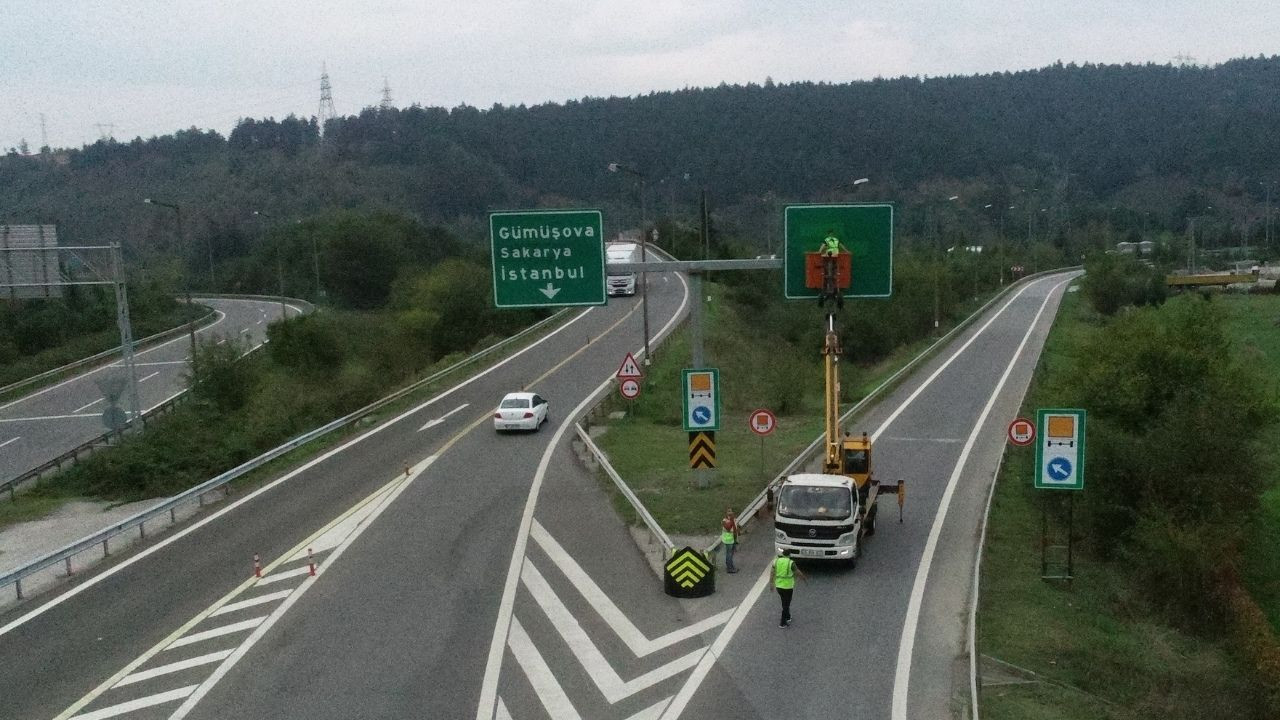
1060,454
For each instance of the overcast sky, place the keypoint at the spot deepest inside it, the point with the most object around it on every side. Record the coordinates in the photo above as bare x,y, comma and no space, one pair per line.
150,67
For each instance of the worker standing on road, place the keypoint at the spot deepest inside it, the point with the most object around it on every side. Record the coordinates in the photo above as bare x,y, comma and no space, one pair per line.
784,579
729,538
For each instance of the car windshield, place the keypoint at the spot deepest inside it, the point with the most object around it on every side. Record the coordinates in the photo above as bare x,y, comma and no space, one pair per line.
514,403
815,503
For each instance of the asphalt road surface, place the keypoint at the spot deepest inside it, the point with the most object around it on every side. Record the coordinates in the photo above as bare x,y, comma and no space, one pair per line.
460,574
51,421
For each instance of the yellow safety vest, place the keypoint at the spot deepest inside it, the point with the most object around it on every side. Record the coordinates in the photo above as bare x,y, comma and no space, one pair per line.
831,244
784,573
726,537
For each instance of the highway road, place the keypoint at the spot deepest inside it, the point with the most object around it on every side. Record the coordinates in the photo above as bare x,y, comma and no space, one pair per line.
460,574
48,422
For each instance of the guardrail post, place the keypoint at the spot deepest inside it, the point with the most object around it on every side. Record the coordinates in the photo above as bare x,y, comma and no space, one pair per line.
142,530
68,567
106,551
17,585
173,516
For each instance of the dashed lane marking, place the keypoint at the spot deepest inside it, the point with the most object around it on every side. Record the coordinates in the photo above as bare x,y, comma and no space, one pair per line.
142,380
10,440
82,408
46,417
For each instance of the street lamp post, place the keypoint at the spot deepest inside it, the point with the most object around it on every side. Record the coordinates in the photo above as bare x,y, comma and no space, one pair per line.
644,252
191,323
937,297
284,314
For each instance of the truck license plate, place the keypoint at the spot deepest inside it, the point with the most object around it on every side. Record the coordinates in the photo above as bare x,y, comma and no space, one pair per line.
811,553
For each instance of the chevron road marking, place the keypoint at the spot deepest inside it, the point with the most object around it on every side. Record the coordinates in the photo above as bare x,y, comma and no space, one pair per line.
173,667
609,612
139,704
589,656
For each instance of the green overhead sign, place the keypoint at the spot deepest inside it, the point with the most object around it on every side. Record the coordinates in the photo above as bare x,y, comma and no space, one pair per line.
544,258
865,230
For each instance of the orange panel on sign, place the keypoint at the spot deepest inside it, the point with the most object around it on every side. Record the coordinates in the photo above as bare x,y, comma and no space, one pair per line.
1062,426
700,382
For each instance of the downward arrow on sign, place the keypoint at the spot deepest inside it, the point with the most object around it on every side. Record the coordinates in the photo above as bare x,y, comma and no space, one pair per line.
549,291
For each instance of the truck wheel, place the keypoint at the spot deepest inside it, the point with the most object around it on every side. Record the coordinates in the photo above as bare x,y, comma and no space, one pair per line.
853,559
871,521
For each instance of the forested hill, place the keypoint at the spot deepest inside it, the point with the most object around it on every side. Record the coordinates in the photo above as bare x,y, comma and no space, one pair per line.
1102,130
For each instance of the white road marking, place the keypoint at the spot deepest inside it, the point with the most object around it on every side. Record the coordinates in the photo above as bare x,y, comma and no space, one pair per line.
906,644
142,380
221,316
251,602
921,440
217,632
259,322
159,362
607,610
588,655
22,619
700,672
553,697
503,713
223,340
441,419
487,706
139,704
173,668
287,574
46,417
82,408
383,503
10,440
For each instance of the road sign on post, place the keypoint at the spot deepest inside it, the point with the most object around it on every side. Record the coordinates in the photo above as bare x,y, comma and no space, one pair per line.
763,422
701,399
544,258
629,387
1060,449
865,230
1022,432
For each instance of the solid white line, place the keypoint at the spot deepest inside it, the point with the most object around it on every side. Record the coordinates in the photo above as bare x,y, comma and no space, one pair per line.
223,340
260,631
173,668
713,653
149,376
158,362
487,706
19,621
82,408
906,644
554,700
87,373
217,632
10,440
654,711
47,417
259,600
285,575
441,419
140,703
588,655
503,713
607,610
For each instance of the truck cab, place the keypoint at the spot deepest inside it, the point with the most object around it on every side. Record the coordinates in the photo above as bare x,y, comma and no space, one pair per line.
818,516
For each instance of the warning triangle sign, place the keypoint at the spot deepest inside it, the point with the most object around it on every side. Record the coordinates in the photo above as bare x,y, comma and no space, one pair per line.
630,369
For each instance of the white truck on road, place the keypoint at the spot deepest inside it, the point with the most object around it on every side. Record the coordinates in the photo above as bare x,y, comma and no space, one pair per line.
620,283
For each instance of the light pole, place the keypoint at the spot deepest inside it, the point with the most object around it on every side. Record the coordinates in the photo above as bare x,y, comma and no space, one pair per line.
644,252
284,314
191,326
937,298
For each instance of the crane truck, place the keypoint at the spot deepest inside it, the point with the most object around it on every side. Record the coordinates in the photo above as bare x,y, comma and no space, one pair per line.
827,515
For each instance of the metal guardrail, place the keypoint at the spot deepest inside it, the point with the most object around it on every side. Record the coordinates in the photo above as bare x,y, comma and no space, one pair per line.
169,506
104,440
641,510
92,359
807,455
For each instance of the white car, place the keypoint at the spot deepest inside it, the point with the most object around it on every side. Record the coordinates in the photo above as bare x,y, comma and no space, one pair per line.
520,411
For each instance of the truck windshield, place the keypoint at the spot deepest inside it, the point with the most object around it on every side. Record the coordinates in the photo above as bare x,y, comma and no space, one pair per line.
815,503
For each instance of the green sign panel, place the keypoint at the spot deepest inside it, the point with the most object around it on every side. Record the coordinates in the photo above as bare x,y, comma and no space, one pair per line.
544,258
1060,449
701,399
865,230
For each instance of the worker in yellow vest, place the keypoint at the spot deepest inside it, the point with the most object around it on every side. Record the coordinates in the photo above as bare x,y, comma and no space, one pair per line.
729,538
784,580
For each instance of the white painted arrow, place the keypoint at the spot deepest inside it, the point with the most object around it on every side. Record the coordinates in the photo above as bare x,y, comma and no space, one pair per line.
441,419
1059,468
549,291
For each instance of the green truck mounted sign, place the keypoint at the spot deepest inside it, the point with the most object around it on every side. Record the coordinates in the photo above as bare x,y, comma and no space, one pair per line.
545,258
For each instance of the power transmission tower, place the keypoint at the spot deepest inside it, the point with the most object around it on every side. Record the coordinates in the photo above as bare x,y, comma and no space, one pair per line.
327,111
1184,59
44,134
387,103
106,130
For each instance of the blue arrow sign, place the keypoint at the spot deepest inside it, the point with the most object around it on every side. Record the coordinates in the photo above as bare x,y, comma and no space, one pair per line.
1059,469
702,415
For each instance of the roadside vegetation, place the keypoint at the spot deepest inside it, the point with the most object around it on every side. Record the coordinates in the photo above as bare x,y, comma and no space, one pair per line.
41,334
1175,540
767,351
425,312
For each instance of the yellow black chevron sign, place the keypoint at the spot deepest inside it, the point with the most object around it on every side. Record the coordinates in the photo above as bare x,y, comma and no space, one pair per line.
688,574
702,449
